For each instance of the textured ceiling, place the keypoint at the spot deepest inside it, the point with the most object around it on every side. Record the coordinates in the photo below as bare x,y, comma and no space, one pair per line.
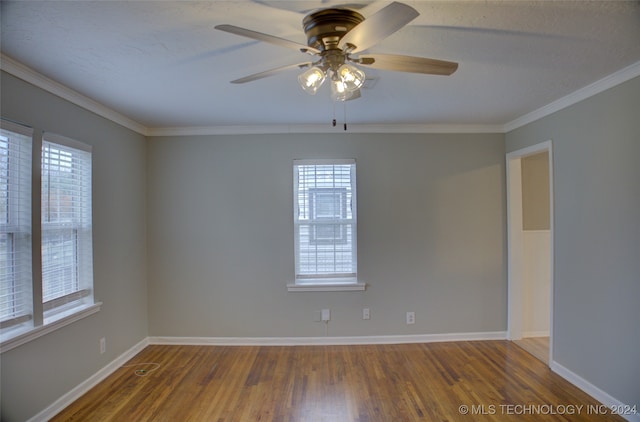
162,63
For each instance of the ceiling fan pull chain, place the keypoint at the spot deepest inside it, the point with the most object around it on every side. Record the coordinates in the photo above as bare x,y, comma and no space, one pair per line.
344,104
334,122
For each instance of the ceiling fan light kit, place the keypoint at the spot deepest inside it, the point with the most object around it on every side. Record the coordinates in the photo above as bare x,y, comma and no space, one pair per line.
312,79
333,36
344,81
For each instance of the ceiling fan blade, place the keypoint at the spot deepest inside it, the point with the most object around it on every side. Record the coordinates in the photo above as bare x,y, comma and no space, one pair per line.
378,26
408,64
267,38
270,72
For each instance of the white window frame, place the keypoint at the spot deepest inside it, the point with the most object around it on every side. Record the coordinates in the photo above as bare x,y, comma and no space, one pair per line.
57,313
329,280
75,287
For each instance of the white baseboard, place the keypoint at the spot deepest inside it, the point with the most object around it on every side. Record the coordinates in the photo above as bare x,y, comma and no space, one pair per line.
73,395
536,333
310,341
602,396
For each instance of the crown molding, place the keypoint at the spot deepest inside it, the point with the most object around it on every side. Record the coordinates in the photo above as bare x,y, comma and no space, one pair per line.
351,128
27,74
590,90
21,71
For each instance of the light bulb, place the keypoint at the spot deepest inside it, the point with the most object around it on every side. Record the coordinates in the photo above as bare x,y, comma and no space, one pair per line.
339,93
310,80
351,77
338,90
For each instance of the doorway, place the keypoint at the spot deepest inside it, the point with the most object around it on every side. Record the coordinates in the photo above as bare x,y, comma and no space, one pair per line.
530,249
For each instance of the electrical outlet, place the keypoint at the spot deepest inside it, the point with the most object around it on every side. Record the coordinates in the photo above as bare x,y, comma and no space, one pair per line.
326,315
365,313
411,318
103,345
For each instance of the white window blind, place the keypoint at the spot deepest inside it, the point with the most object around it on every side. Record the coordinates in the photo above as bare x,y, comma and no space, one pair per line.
46,269
67,258
325,221
15,225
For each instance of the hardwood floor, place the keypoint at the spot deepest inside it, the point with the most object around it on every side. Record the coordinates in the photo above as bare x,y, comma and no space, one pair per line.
537,346
409,382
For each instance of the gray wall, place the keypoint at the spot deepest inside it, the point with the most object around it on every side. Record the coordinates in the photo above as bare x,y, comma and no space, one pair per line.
431,235
36,374
596,145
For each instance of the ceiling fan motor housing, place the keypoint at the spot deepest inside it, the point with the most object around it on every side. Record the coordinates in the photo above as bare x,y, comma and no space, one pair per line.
324,28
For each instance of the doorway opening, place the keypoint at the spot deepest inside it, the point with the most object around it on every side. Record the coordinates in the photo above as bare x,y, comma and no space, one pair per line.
530,249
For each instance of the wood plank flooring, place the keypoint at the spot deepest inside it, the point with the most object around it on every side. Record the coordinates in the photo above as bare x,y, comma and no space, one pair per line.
409,382
537,346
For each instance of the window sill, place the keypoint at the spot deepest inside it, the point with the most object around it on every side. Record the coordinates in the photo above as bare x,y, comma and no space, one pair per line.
326,287
63,320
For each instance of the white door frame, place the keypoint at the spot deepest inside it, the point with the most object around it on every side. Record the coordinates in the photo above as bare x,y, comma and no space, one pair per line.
514,240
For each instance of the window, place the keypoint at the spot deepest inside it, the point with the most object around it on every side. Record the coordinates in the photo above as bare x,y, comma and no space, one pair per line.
325,228
67,269
328,204
46,274
15,225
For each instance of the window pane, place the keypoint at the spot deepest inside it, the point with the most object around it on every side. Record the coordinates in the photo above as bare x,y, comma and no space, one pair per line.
15,224
66,223
59,269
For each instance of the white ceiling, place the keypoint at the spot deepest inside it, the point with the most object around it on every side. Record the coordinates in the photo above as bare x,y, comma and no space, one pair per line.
163,65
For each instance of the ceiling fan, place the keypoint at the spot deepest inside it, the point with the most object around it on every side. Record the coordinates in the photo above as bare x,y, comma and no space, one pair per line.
335,36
